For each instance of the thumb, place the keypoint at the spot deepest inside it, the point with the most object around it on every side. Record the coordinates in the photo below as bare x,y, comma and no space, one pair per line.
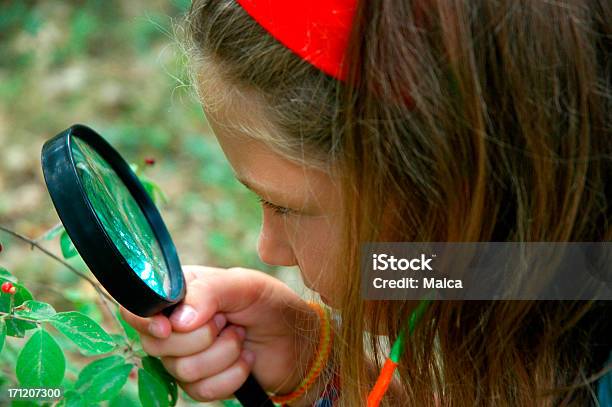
215,290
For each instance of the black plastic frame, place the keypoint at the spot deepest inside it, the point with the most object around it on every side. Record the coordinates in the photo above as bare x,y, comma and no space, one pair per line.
88,233
96,247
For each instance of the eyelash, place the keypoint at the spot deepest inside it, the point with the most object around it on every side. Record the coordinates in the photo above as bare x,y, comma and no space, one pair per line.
279,210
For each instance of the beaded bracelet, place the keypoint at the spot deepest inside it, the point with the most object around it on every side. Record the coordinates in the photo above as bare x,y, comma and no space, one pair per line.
320,361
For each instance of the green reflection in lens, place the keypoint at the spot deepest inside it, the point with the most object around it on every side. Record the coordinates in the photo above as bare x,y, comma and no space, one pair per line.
121,216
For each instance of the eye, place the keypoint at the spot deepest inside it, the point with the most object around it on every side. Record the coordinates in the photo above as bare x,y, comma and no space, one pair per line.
280,210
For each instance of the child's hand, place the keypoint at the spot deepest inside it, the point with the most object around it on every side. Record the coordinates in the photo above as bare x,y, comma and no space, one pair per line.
232,322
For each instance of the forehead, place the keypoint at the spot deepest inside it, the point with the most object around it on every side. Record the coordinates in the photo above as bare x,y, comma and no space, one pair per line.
239,122
226,103
270,175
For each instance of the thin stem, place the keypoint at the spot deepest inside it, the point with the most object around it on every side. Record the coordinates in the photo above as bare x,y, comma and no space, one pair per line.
11,304
104,297
13,316
53,256
103,301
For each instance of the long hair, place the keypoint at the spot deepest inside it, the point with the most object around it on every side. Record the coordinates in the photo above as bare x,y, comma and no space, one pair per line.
463,121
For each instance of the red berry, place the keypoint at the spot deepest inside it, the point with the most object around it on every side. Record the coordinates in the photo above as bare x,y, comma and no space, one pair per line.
7,287
149,161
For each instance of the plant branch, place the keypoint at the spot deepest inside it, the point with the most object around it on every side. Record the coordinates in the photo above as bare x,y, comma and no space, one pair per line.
58,259
13,316
104,297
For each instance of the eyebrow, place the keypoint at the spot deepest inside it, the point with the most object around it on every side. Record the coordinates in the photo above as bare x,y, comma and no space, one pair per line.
247,185
253,188
274,196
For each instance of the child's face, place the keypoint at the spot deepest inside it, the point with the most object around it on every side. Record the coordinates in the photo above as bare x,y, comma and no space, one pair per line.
301,215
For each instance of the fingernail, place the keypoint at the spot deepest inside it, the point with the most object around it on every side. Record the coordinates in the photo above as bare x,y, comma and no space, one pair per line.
220,321
241,332
156,329
248,356
183,315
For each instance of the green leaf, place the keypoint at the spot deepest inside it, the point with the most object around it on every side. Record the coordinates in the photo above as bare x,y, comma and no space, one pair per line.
2,333
84,303
151,391
231,403
119,340
68,249
24,403
72,399
90,371
155,367
17,328
41,362
153,189
84,332
14,327
148,186
107,383
123,399
5,275
21,295
37,310
91,310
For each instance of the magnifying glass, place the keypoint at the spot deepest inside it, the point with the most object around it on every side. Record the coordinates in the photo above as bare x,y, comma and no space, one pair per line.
117,229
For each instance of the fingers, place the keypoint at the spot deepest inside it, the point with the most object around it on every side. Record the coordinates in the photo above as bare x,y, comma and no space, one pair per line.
187,343
224,384
199,303
211,290
158,325
221,355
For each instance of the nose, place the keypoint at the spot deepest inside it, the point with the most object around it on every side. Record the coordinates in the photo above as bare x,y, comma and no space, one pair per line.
273,246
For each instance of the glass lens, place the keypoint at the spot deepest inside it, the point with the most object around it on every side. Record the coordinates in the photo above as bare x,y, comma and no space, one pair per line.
121,216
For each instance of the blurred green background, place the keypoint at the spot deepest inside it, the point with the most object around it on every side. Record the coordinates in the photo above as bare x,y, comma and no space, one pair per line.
113,65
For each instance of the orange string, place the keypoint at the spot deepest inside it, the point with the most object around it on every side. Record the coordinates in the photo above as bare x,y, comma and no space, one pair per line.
382,383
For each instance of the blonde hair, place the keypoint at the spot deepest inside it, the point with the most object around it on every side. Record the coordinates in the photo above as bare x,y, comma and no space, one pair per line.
506,138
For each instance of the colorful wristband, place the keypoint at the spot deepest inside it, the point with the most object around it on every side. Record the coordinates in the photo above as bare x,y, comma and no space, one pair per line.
319,362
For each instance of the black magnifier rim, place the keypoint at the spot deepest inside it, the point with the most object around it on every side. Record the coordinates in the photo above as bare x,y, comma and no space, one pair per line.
88,233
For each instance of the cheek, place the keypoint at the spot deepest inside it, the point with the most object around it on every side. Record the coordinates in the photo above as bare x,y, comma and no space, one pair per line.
315,242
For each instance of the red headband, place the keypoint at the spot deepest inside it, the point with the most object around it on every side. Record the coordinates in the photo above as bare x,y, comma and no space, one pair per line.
316,30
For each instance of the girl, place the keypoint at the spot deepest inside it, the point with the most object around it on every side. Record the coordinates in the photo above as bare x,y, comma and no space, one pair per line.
435,121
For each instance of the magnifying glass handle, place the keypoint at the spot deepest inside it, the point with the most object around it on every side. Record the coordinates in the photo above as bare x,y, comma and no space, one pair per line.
250,394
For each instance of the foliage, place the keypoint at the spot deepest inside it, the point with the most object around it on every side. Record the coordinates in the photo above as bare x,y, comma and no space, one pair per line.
41,361
111,65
